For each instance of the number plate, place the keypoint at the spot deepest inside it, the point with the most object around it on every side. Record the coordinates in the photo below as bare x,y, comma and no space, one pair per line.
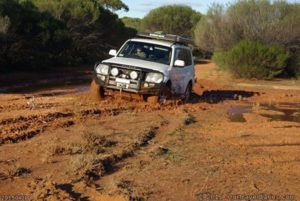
122,85
123,81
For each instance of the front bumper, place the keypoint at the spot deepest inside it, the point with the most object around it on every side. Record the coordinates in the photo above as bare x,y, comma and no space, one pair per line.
138,86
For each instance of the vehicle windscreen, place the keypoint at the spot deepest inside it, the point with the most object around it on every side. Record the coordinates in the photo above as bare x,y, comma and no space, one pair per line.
147,52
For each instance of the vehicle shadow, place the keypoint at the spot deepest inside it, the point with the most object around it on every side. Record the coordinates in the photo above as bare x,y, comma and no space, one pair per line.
216,96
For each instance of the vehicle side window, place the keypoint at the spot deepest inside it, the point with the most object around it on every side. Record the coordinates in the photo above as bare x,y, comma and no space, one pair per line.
188,57
184,55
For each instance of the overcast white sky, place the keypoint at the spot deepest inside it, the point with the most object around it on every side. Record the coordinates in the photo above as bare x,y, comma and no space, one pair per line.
139,8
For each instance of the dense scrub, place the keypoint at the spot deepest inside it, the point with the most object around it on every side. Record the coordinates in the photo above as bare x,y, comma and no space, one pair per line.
263,21
135,23
253,60
37,34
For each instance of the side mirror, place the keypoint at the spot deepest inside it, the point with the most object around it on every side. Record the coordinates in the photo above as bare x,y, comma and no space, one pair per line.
179,63
113,52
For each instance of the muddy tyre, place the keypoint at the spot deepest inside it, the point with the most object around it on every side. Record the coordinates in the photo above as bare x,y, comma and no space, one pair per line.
164,94
97,92
187,93
152,99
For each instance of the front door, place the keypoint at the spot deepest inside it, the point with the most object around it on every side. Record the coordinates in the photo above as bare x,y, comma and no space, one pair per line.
180,76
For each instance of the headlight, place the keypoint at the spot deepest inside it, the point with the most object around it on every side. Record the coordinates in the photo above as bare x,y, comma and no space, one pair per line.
154,77
102,69
133,75
114,72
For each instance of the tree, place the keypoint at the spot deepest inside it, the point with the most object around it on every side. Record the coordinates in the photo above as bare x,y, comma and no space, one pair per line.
256,20
250,59
94,29
35,34
114,5
264,21
31,39
4,24
173,19
134,23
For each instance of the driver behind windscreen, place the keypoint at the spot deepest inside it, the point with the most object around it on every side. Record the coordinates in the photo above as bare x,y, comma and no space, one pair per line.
140,53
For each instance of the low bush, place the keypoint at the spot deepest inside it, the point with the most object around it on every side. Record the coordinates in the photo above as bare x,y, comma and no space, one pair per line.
250,59
293,68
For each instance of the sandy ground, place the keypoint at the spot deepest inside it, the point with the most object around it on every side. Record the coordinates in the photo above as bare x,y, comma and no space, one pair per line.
232,141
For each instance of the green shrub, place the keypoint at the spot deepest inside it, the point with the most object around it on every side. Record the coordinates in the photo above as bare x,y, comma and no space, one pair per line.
293,68
40,34
250,59
134,23
266,21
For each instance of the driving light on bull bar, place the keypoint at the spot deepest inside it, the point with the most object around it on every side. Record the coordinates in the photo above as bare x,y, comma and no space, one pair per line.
114,72
154,77
102,69
133,75
102,77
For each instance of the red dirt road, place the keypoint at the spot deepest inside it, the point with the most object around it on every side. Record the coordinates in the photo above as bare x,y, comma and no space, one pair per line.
230,140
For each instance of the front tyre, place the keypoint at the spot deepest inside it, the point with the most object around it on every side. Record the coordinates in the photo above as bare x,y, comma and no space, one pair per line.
97,92
152,99
164,94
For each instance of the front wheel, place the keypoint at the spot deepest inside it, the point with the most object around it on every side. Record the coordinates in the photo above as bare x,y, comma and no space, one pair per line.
97,92
152,99
164,94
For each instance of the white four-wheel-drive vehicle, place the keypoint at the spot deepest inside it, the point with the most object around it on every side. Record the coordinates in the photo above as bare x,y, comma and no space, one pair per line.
155,66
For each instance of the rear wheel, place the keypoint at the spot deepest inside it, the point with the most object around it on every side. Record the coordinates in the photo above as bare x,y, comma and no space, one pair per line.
97,92
187,93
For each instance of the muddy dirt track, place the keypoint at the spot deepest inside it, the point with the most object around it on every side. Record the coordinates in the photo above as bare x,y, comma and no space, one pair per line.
230,140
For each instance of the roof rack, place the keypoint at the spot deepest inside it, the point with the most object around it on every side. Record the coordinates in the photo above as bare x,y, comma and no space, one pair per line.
166,37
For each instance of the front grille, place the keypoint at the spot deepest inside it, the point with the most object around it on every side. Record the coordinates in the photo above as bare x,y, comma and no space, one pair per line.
124,73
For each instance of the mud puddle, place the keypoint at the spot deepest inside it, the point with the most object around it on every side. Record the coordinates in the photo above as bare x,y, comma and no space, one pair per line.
235,113
283,112
49,84
287,112
64,91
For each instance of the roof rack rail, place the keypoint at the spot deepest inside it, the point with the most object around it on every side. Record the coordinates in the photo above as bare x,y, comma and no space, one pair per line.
166,37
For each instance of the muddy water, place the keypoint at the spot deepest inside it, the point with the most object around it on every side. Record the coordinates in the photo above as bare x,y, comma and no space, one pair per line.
289,112
64,90
236,113
48,84
286,112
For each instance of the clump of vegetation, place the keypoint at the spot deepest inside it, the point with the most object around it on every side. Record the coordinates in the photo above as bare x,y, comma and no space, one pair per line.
86,166
54,149
253,60
294,64
189,119
169,155
15,170
39,34
261,22
135,23
95,143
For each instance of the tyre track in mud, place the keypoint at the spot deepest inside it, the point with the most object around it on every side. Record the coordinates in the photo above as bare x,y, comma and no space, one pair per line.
168,124
101,166
22,128
14,130
17,107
